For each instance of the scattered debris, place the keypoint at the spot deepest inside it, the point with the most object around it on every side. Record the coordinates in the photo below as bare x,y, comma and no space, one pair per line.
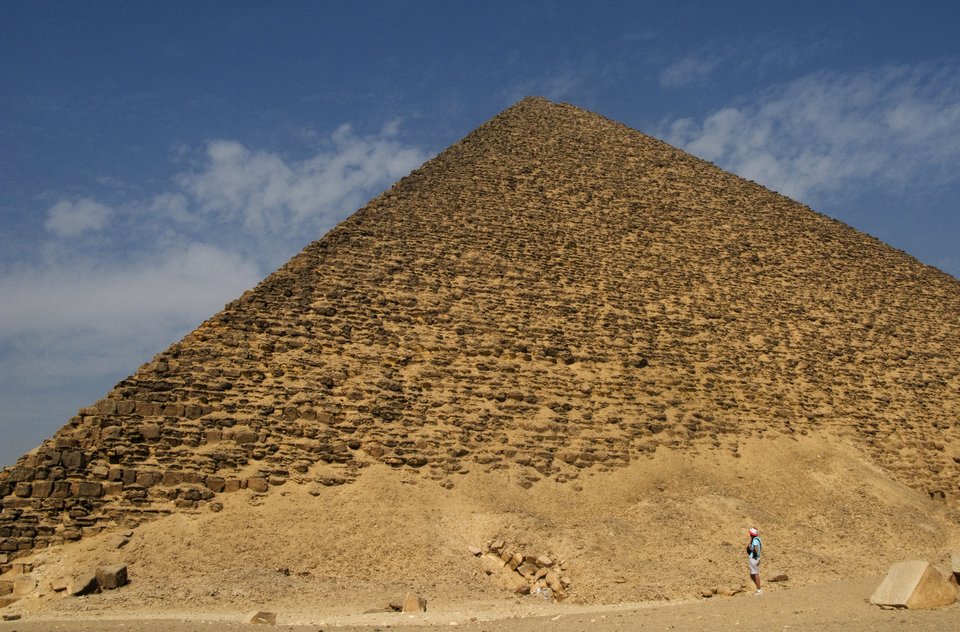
523,574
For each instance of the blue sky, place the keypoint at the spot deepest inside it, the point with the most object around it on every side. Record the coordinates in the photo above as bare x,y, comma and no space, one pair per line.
159,158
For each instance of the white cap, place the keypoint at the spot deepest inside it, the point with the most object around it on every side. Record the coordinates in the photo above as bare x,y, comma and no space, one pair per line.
754,532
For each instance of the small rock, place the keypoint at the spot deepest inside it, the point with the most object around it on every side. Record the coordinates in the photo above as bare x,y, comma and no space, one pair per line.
117,542
474,551
264,618
11,617
782,577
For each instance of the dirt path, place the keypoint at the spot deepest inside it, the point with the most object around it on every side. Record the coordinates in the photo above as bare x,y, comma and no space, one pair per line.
831,607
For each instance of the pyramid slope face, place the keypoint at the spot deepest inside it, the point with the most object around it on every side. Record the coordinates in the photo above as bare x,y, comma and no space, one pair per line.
555,292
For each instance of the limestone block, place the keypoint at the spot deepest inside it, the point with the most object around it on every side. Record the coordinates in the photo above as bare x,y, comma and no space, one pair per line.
216,484
955,564
24,585
42,489
111,577
20,473
86,489
915,584
257,484
150,432
148,478
414,603
84,584
231,485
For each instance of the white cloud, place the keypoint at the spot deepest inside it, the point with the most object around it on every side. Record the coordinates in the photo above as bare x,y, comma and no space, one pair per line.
266,193
688,70
819,134
70,218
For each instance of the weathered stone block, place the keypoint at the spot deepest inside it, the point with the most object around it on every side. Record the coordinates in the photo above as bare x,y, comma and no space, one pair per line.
20,473
216,484
73,459
231,485
257,484
150,432
915,584
84,584
24,585
172,478
414,603
71,533
111,577
42,489
23,490
87,489
148,478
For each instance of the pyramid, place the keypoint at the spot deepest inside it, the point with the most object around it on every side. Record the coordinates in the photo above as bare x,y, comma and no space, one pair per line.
555,294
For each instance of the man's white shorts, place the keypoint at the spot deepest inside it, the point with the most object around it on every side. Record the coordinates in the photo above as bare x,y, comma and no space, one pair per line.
754,566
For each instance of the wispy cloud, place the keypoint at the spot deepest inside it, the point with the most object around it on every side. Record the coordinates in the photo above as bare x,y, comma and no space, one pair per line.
689,69
816,135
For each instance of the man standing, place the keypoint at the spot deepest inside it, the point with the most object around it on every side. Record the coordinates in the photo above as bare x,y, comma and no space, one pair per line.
753,558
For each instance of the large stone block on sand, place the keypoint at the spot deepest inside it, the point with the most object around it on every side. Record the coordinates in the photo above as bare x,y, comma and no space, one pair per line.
914,585
414,603
111,577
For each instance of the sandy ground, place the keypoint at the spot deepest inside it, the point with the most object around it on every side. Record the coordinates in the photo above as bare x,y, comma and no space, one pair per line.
834,606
